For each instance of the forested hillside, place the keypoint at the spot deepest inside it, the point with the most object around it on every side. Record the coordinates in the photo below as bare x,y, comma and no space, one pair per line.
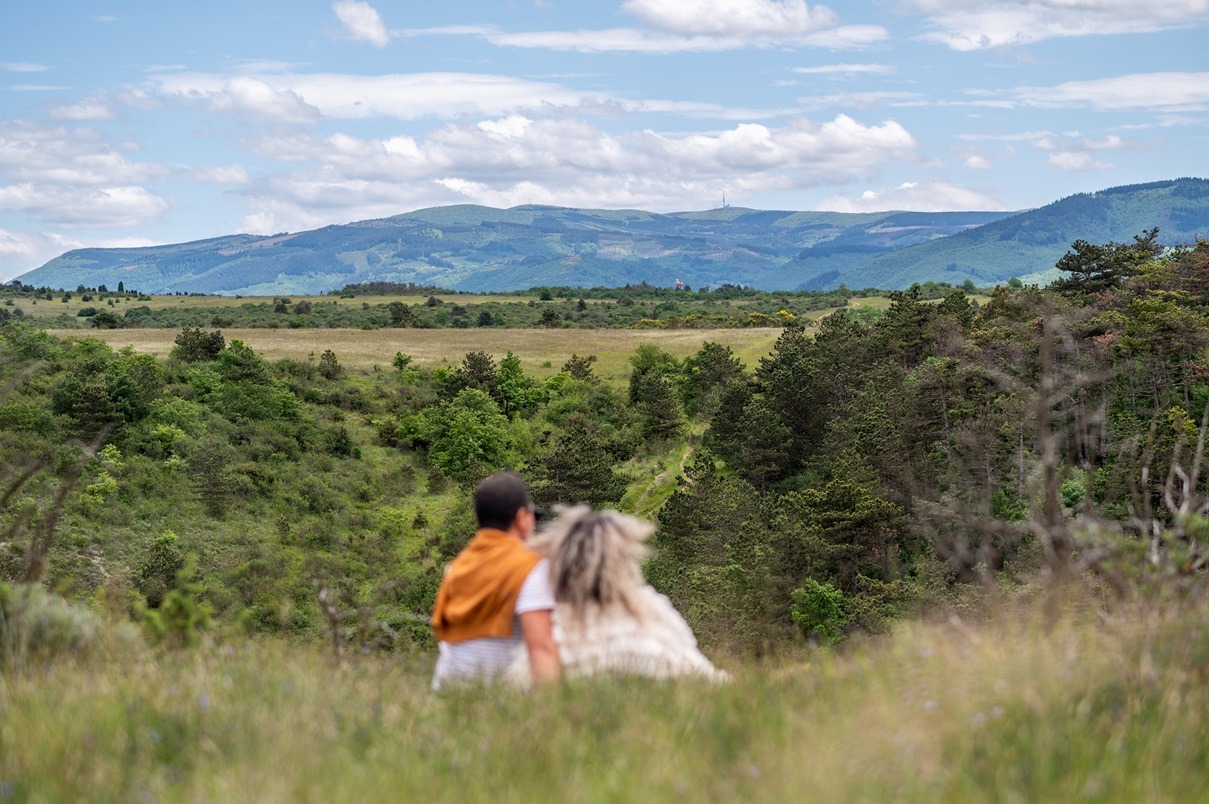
1028,244
473,248
860,472
480,249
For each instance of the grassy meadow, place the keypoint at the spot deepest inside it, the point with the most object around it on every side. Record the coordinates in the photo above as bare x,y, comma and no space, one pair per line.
542,351
1006,711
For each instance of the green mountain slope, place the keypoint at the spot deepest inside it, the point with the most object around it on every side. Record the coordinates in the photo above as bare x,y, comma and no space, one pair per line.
476,248
1030,243
480,248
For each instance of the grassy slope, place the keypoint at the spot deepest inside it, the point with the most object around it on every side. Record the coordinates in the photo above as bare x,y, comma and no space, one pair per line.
1114,712
479,248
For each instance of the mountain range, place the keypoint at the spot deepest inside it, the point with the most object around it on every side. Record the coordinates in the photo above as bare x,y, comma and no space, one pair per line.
478,248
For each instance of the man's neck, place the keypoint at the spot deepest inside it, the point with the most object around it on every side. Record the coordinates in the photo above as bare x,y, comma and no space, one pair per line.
513,532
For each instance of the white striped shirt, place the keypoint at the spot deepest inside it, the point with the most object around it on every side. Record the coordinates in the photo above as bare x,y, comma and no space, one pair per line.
485,658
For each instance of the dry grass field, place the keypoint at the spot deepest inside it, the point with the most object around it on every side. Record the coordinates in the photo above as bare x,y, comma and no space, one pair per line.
542,351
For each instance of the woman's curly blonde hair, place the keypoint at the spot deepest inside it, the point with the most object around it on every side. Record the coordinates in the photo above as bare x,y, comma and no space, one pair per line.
595,558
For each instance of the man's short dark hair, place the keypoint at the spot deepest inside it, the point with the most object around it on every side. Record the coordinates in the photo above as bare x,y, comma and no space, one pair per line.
498,498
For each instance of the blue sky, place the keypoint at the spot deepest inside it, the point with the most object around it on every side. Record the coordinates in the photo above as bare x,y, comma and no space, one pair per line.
128,123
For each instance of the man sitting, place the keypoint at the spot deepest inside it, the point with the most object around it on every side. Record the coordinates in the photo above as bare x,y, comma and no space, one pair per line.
496,595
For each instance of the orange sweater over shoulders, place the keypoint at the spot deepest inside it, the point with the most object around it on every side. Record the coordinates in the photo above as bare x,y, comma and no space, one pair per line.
478,595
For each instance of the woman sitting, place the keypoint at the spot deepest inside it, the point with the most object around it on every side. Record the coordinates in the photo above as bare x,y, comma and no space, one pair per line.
607,619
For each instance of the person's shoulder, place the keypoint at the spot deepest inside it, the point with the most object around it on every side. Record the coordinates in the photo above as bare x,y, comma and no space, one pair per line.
537,593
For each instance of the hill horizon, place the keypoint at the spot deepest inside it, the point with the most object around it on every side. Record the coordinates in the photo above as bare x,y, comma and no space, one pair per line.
481,248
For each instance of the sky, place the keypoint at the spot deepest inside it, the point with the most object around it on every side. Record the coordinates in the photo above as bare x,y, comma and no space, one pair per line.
138,123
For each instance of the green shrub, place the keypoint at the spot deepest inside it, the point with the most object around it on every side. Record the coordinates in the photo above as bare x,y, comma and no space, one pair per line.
181,619
156,572
821,611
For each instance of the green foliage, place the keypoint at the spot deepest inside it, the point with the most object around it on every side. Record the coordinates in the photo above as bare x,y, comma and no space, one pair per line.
156,571
820,610
580,368
181,619
517,392
195,344
469,436
1094,268
329,366
576,468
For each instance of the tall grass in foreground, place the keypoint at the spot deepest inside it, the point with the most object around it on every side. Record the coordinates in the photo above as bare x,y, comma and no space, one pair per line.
1011,712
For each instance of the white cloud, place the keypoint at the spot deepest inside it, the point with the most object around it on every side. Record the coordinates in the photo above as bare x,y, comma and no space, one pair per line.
62,205
302,98
1073,152
22,67
245,96
637,40
847,37
87,109
74,178
560,160
1171,92
846,69
779,19
615,40
58,155
680,26
977,163
975,24
362,22
926,196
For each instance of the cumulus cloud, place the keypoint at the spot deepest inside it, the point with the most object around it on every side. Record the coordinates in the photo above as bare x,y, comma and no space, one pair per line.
559,160
74,178
642,40
925,196
687,26
977,163
361,22
58,155
243,96
975,24
62,205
